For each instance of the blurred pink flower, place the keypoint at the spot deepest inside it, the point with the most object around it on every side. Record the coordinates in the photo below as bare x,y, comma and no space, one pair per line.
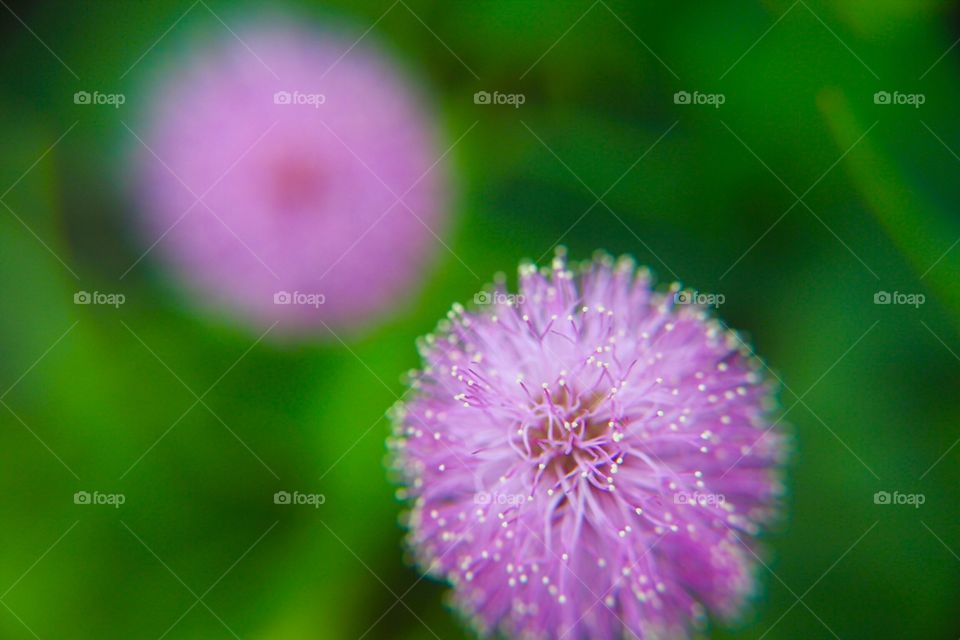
297,145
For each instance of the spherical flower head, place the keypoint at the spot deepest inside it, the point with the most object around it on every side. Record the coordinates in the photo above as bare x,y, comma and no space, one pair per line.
291,174
589,458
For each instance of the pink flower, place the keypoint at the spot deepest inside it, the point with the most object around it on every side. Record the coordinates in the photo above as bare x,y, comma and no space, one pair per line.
300,147
587,459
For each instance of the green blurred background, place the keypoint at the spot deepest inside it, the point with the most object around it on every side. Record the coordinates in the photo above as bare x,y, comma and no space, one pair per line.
600,155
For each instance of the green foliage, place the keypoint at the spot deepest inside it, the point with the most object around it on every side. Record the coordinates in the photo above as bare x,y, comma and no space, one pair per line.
103,399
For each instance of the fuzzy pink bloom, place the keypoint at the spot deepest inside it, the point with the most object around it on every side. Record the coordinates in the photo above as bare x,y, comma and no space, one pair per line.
588,459
299,144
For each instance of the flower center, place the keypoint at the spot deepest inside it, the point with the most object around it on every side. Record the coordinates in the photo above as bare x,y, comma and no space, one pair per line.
571,437
296,184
